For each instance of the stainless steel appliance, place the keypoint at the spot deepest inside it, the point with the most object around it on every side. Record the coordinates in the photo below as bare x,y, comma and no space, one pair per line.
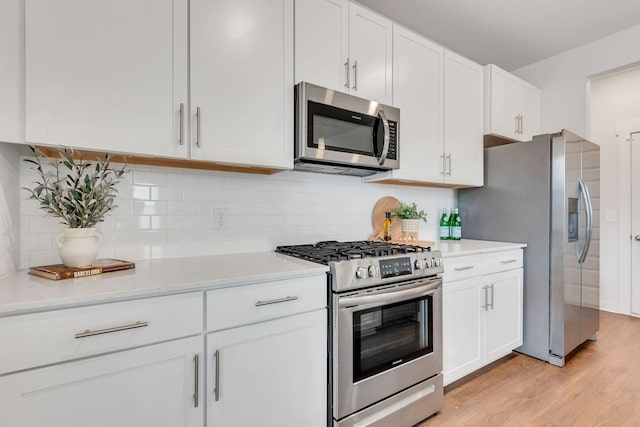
343,134
385,332
545,193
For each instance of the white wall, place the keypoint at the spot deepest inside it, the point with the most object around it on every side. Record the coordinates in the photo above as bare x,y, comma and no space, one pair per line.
614,98
9,208
565,81
166,212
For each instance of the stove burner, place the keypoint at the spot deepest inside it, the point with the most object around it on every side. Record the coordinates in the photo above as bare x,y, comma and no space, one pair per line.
327,251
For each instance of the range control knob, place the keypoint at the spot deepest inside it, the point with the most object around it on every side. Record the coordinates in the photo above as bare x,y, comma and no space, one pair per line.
361,273
373,271
421,264
437,262
429,262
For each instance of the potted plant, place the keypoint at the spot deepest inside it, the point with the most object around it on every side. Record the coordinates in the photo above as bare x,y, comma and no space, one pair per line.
80,194
410,216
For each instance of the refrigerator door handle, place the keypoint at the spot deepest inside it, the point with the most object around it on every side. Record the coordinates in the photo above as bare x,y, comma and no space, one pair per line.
589,228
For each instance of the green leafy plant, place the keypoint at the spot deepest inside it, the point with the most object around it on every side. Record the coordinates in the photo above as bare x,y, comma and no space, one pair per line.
76,191
409,211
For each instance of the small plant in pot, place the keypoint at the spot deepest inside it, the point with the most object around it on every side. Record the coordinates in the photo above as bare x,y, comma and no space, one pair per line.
81,194
410,216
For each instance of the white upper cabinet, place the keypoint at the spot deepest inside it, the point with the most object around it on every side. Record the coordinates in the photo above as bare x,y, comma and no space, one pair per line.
344,46
11,71
322,42
463,113
512,106
242,82
418,92
107,75
440,96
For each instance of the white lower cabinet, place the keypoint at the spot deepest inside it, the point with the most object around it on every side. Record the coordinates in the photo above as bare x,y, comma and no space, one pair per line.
148,386
269,374
482,311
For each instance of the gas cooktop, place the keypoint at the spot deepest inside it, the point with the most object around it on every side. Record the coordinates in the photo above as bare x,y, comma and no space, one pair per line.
324,252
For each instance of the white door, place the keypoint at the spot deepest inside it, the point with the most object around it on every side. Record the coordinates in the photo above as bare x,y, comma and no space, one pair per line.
528,98
370,47
107,75
463,117
242,82
418,92
11,71
148,386
270,374
322,43
628,132
504,316
462,328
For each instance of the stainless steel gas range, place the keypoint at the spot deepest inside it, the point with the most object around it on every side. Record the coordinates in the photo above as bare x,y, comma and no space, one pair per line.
385,331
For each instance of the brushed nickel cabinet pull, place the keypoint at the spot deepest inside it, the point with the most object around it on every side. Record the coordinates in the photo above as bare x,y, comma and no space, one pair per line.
508,261
444,168
492,293
275,301
181,137
486,298
196,382
346,69
89,333
449,157
216,387
466,267
517,128
355,75
198,127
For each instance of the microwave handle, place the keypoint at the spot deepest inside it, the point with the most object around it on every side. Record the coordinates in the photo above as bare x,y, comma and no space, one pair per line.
385,148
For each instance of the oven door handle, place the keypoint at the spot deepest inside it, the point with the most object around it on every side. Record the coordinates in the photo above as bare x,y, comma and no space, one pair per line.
390,297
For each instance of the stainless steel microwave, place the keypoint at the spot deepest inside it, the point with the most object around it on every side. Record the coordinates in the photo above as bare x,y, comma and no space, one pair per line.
340,133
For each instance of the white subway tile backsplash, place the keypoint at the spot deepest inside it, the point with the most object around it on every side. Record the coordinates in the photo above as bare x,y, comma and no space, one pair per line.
142,177
166,212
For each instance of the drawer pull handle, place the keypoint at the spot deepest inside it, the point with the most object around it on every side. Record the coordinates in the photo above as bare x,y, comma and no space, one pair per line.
509,261
467,267
275,301
216,387
89,333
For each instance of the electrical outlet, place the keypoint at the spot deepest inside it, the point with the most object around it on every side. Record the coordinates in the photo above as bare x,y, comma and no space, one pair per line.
220,217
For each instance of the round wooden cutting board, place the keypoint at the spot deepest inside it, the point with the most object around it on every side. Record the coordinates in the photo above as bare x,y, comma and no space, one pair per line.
386,204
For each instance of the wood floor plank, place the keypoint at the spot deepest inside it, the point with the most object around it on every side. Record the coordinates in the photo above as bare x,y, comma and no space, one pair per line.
598,386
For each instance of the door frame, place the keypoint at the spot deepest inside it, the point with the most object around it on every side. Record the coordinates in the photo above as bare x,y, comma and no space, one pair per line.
624,129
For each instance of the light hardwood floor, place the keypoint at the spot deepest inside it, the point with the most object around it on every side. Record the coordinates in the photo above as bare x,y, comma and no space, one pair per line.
598,386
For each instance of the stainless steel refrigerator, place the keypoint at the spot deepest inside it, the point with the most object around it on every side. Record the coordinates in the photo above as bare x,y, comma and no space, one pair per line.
545,193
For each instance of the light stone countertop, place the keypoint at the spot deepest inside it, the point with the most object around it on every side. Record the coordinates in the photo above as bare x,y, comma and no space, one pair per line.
454,248
22,293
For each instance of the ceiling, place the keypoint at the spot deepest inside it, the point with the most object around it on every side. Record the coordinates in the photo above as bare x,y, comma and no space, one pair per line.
511,33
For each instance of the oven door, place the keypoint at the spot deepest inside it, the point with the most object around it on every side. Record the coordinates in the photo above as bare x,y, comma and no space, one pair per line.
385,340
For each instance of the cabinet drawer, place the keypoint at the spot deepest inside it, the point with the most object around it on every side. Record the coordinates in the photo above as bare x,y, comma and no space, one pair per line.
38,339
503,261
243,305
463,267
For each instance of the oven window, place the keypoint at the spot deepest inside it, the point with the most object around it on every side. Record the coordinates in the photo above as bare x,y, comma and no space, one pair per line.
388,336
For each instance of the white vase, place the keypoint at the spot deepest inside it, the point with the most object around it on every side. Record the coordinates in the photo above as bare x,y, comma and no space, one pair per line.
410,225
78,246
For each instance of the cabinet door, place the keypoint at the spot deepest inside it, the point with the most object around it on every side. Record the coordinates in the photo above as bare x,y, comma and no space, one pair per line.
11,71
270,374
148,386
462,328
107,75
418,92
242,82
504,318
370,44
529,101
322,43
463,115
500,109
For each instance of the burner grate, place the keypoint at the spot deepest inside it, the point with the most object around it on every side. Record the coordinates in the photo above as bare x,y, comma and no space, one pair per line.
327,251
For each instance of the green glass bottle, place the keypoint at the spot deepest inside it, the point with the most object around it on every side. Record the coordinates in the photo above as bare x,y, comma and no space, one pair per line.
455,225
444,225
